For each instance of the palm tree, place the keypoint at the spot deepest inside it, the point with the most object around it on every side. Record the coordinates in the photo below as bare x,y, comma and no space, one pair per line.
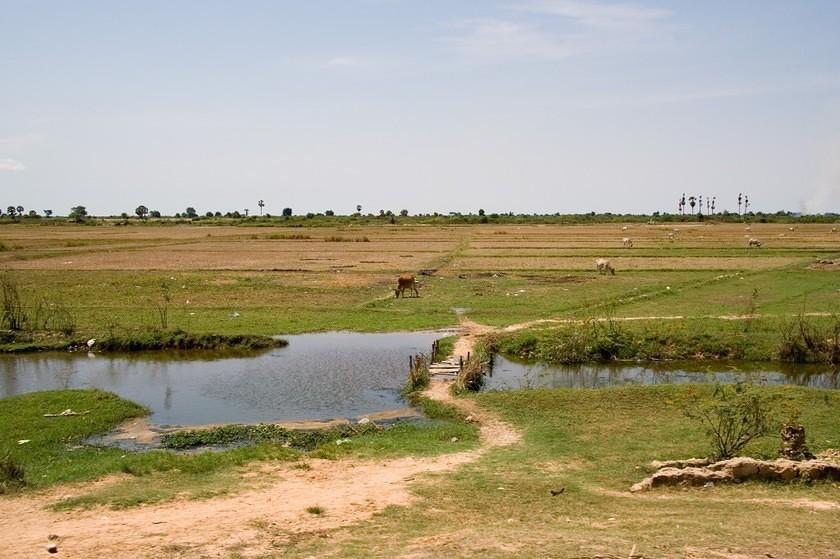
20,210
359,208
700,209
746,203
11,211
261,204
739,203
713,203
692,201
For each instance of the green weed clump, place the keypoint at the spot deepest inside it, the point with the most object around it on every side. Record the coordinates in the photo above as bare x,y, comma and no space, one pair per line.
471,377
178,339
262,433
805,341
595,341
14,315
419,376
11,474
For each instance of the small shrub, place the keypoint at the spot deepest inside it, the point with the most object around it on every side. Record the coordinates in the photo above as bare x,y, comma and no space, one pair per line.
316,510
471,376
418,376
14,313
734,416
62,320
803,341
11,474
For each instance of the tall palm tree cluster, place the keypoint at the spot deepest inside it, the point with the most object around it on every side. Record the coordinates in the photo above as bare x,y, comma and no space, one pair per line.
697,201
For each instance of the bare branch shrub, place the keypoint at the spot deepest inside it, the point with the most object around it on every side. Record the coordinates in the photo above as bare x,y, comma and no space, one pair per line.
734,416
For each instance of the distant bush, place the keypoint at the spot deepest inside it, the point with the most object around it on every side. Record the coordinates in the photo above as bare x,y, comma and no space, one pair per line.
295,236
340,239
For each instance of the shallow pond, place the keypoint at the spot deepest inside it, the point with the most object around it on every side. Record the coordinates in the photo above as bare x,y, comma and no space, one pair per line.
317,376
509,374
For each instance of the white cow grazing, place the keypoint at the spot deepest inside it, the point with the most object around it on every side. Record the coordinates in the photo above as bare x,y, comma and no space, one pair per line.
624,228
747,228
755,243
604,266
627,242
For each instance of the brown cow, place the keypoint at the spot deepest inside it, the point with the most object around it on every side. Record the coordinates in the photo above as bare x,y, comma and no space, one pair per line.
406,282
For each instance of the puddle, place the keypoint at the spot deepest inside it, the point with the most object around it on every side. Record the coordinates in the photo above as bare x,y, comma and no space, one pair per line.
316,377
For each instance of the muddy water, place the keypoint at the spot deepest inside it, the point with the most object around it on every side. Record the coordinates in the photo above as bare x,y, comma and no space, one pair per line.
317,376
509,374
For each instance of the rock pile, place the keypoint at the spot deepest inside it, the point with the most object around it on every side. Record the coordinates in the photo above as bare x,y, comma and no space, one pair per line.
692,473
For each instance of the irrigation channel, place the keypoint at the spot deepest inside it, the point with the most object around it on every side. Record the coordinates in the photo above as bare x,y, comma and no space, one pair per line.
331,376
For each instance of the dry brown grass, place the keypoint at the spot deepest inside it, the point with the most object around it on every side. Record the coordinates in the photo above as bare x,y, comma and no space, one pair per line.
398,248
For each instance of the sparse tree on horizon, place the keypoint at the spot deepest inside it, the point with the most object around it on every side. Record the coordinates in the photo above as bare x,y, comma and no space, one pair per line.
48,213
261,204
190,212
739,203
20,210
11,211
142,211
78,213
692,201
287,212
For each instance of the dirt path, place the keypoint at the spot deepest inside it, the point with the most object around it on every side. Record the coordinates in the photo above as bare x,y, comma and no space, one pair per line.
250,522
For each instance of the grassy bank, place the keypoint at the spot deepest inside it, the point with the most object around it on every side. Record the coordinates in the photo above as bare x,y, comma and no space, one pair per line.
143,340
798,339
563,491
55,451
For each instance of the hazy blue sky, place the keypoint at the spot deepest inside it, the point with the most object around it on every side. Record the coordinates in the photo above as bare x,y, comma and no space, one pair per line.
428,105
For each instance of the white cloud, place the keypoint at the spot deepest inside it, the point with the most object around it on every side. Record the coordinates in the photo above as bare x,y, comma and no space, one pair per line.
11,165
497,39
599,14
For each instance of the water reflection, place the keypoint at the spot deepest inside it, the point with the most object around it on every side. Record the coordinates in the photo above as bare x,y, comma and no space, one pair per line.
317,376
509,374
